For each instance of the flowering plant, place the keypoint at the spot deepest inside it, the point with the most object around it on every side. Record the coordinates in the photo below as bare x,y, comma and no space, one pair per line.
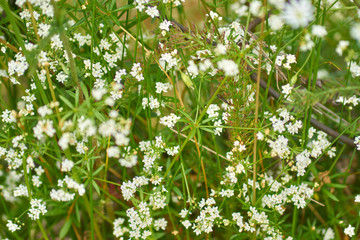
145,123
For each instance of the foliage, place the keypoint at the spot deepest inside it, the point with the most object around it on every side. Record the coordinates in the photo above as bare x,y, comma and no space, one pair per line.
136,120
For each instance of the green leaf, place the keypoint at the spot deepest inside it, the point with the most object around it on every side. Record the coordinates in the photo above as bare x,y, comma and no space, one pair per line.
199,135
68,114
186,128
67,102
186,115
99,116
208,120
177,191
56,212
65,228
96,187
336,185
138,110
192,133
77,214
207,129
124,8
159,235
116,21
77,95
77,24
84,89
330,195
177,177
98,170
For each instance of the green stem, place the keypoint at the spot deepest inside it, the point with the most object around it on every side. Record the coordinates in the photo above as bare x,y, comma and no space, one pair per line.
196,126
27,182
91,200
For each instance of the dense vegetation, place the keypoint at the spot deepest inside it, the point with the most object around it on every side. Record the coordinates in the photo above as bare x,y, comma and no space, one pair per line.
168,119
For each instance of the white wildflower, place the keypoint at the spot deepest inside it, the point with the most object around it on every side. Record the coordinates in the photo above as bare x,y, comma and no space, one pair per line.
152,12
12,226
67,165
319,31
355,31
298,13
37,208
229,67
350,231
169,120
275,22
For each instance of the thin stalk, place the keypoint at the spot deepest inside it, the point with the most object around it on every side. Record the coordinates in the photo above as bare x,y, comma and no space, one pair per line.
194,129
90,212
91,200
52,93
106,164
257,106
27,182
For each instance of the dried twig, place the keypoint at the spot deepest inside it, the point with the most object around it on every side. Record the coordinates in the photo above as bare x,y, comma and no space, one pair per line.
257,21
356,3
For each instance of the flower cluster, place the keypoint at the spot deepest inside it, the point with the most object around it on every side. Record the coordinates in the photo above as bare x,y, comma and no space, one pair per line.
37,207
